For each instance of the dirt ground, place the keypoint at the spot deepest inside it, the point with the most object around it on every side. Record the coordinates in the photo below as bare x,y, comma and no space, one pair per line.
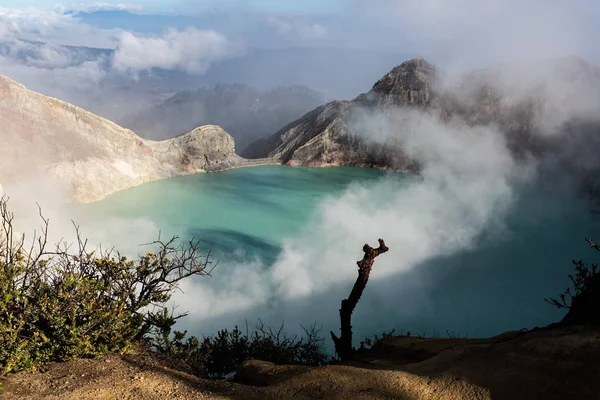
556,363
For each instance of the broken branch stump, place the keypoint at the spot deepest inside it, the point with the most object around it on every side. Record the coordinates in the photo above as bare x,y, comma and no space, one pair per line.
343,344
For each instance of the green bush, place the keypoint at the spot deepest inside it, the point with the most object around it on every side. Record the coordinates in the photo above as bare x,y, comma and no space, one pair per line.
56,305
216,356
59,304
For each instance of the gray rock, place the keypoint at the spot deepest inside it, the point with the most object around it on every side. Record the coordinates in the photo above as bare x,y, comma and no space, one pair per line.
326,136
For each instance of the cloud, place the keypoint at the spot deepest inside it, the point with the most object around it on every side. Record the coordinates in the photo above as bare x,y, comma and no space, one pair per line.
38,55
281,26
33,52
58,81
100,6
299,27
53,27
191,49
313,31
475,32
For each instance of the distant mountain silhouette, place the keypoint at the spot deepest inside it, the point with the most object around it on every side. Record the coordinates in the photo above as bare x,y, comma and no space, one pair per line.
245,113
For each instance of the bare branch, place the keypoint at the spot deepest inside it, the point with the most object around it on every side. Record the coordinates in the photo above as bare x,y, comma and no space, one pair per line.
343,344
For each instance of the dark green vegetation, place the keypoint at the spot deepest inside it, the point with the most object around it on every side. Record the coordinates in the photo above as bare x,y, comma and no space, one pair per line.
216,356
583,302
67,302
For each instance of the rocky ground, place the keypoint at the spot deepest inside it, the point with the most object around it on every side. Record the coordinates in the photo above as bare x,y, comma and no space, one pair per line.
552,363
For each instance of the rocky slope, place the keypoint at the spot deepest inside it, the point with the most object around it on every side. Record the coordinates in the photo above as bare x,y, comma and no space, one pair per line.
531,105
549,363
326,135
88,157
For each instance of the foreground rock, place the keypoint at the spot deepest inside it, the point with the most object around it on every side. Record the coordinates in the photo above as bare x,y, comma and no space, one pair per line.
551,363
88,157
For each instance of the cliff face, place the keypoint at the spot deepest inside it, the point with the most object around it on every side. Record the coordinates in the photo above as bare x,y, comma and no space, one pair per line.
90,157
528,105
326,136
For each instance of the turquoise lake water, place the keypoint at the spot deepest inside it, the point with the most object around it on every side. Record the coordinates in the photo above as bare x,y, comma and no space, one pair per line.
244,212
247,214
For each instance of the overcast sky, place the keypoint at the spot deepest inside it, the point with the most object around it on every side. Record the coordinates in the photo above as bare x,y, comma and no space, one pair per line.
193,34
193,6
487,30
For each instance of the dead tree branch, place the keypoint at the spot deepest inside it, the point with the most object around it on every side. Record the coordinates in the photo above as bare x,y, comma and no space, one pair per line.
343,344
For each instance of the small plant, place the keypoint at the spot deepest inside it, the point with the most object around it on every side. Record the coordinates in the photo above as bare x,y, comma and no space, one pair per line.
216,356
583,302
370,343
455,335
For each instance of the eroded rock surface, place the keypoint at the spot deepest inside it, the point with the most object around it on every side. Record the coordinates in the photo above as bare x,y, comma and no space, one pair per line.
46,139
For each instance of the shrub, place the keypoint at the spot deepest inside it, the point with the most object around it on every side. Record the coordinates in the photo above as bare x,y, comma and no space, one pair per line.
583,302
371,343
216,356
62,303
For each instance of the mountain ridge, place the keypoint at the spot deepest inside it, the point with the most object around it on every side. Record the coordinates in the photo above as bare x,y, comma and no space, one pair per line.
48,140
324,136
546,108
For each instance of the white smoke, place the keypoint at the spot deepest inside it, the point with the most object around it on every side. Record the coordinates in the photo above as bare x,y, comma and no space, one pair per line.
468,185
33,200
192,50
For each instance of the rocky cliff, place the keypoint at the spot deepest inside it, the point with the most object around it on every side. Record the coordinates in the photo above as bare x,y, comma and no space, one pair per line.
42,138
327,136
529,104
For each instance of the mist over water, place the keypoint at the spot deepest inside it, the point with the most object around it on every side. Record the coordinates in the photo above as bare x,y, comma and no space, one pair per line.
237,214
252,219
